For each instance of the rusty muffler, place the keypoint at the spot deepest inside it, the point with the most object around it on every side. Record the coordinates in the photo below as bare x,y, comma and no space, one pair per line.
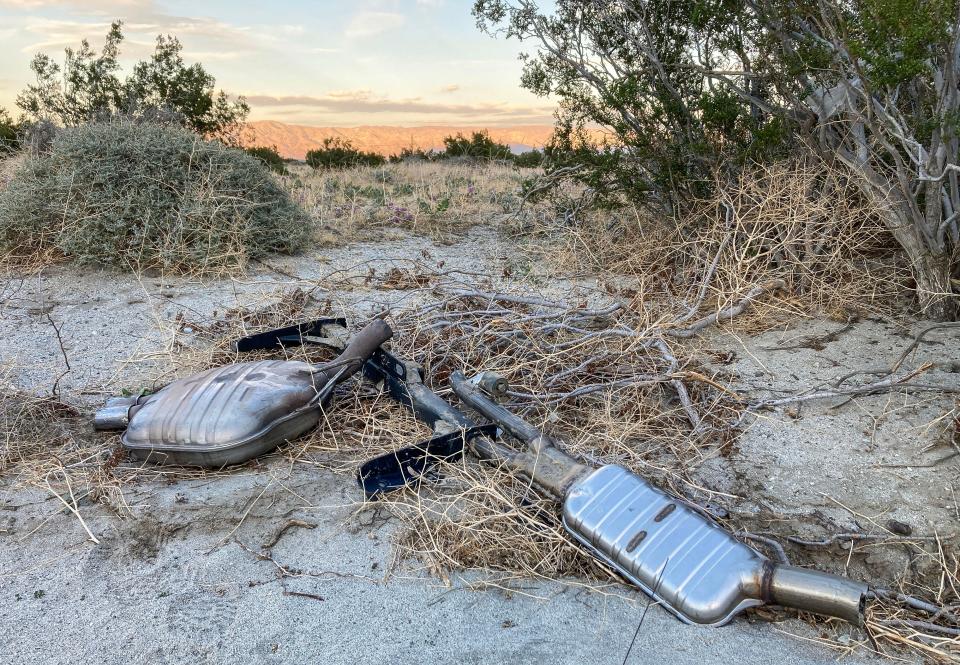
676,554
230,414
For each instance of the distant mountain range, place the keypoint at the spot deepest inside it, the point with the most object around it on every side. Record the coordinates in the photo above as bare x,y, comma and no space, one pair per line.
293,141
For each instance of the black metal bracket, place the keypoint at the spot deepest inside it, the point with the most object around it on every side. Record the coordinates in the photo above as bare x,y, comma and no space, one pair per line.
295,335
416,463
403,380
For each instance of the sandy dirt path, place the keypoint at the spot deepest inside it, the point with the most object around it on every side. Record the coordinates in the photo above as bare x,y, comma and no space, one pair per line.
185,578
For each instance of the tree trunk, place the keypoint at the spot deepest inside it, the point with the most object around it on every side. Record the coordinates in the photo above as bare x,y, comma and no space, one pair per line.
931,269
934,291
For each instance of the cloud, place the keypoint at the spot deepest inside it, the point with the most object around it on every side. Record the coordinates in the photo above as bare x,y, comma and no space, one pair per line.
430,3
202,37
362,102
369,24
209,56
86,5
57,34
360,94
453,87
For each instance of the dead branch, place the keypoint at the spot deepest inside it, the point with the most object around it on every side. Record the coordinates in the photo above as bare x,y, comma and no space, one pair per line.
920,625
917,339
729,312
884,384
289,524
55,390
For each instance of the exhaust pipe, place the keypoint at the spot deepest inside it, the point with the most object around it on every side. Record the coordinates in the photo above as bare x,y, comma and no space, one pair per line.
820,593
116,414
697,569
692,566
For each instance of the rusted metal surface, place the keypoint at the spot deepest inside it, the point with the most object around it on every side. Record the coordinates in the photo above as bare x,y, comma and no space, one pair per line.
227,415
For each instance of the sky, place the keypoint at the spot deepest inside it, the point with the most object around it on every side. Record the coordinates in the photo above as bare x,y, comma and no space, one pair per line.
321,63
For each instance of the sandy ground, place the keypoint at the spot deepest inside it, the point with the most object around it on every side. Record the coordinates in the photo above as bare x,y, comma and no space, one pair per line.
179,581
876,455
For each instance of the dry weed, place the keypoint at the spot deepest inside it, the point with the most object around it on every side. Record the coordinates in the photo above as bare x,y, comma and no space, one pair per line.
801,221
34,427
607,381
48,444
435,199
609,377
600,379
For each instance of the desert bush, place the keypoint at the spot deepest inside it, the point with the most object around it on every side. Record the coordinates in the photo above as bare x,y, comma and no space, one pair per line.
142,196
338,153
414,155
479,145
690,88
270,157
528,160
9,133
87,88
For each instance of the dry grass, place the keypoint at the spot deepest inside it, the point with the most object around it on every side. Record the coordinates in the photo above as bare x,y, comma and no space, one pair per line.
802,221
614,384
479,518
33,427
47,444
435,199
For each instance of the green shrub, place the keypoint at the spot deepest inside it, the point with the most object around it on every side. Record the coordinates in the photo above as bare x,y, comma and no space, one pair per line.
528,160
478,145
694,94
338,153
9,133
145,196
415,155
270,156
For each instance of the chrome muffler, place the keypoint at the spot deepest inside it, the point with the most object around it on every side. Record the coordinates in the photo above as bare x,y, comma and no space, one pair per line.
676,554
230,414
696,569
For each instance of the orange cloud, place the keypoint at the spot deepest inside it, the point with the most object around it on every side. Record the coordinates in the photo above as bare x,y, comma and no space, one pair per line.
342,104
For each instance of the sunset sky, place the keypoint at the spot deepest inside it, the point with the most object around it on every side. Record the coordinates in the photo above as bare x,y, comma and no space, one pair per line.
327,63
